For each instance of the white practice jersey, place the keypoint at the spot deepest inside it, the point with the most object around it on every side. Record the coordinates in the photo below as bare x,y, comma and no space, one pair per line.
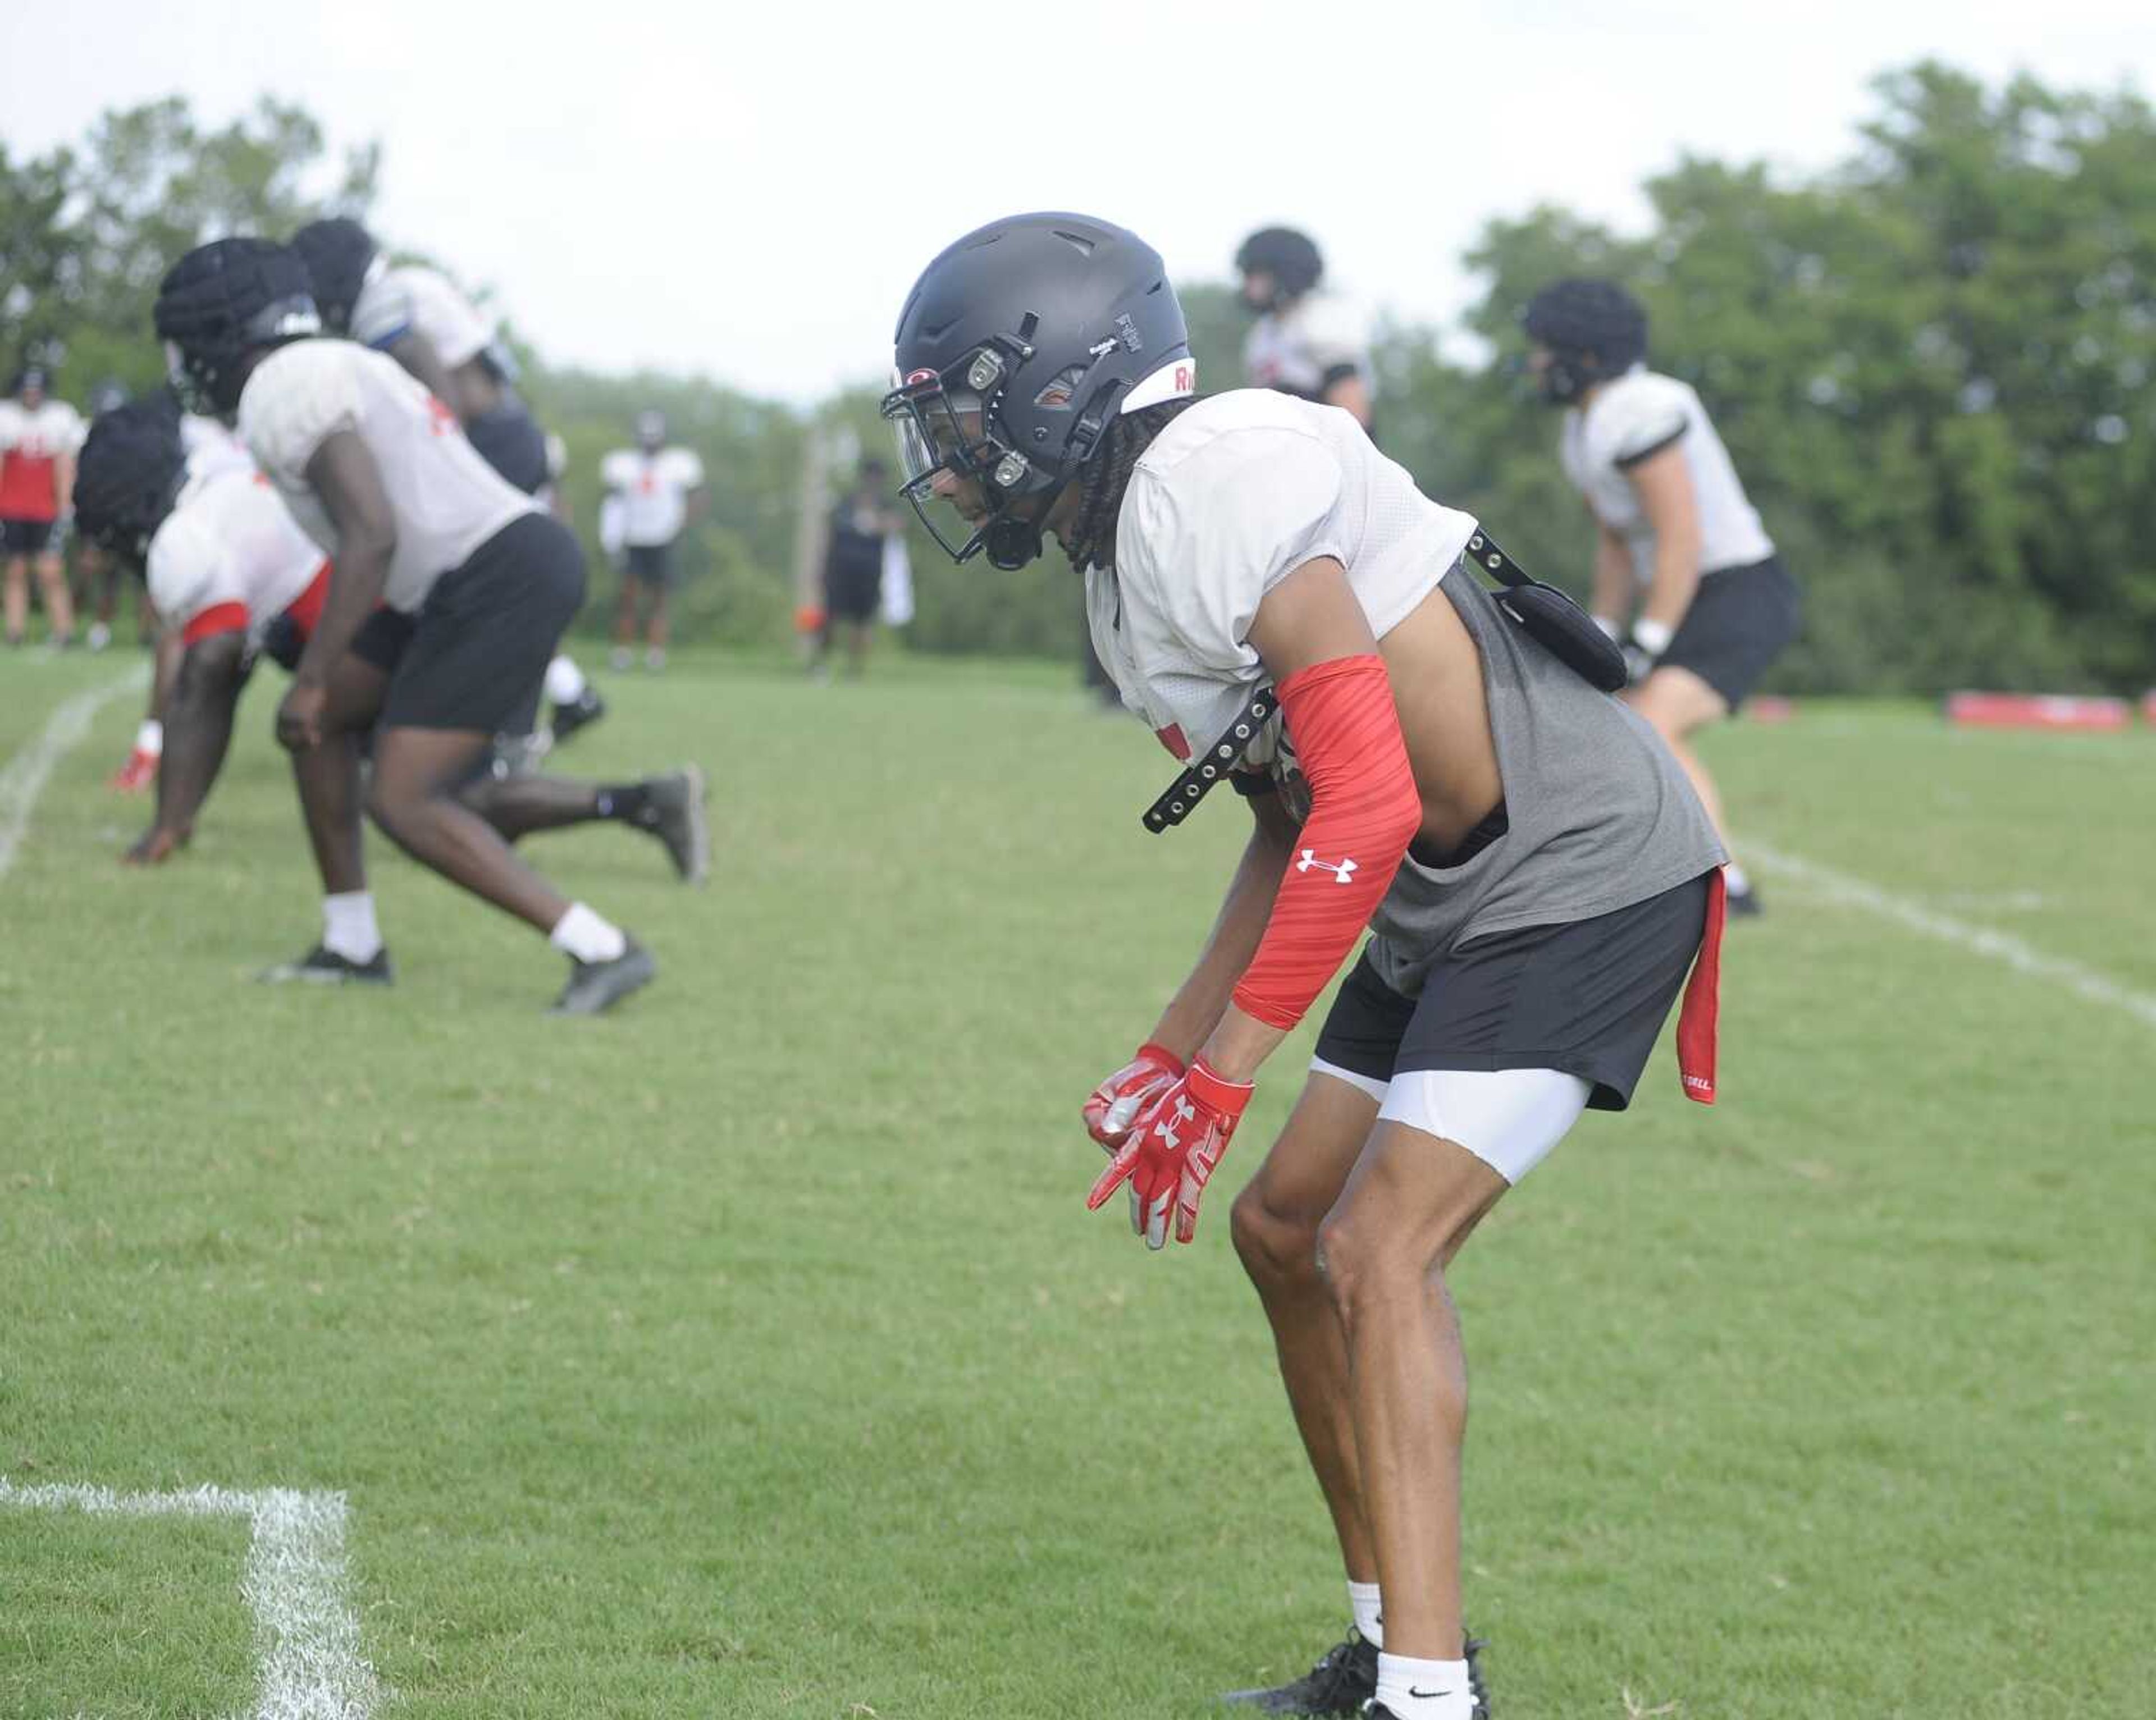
409,300
1233,495
229,556
1634,416
1318,340
211,445
653,489
447,500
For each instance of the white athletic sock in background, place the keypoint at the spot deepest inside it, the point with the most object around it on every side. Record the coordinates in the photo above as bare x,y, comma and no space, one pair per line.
587,936
348,928
1369,1612
1733,879
150,738
565,681
1425,1690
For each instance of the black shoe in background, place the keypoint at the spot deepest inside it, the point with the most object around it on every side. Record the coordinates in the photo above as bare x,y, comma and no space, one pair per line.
596,985
323,966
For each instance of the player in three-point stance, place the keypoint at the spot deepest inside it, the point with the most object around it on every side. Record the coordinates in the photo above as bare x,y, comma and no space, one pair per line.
451,591
234,577
1538,872
1685,575
418,317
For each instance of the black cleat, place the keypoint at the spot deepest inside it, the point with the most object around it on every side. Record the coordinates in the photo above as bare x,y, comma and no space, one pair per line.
1744,904
675,814
322,966
580,712
595,986
1341,1683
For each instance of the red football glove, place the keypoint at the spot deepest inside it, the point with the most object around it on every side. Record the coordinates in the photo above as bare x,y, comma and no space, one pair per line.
138,773
1170,1157
1123,1098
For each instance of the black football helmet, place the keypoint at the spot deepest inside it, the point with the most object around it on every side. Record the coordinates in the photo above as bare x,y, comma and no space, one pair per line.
1594,330
127,477
1290,258
223,302
1016,350
338,253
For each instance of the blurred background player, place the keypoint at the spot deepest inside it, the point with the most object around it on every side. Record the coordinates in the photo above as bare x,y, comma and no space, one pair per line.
863,529
419,318
657,492
235,577
101,574
1686,577
39,437
451,592
1306,341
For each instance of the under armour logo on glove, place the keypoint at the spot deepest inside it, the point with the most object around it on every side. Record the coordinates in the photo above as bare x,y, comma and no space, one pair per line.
1117,1104
1343,873
1170,1169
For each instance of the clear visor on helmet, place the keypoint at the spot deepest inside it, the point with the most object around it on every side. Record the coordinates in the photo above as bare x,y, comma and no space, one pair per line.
938,431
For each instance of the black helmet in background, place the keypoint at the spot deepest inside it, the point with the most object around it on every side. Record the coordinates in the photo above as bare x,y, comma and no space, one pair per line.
127,477
222,302
338,253
1016,350
1594,330
1278,265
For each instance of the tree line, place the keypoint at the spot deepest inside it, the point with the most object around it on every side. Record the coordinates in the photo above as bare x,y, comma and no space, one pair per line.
1932,363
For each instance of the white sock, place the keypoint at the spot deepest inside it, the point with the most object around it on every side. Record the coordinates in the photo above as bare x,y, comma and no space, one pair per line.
587,936
1425,1690
565,681
348,928
1733,879
150,738
1369,1612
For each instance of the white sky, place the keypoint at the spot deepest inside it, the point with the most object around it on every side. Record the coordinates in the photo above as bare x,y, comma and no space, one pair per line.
748,190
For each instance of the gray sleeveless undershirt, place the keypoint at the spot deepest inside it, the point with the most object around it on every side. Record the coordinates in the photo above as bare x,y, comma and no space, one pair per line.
1600,814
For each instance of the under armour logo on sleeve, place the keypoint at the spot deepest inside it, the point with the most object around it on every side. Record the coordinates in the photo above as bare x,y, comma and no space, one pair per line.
1343,873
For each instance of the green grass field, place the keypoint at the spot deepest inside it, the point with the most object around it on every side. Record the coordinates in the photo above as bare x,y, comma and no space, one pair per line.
750,1352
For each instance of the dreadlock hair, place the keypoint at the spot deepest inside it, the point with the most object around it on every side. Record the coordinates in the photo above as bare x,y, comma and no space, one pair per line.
1107,474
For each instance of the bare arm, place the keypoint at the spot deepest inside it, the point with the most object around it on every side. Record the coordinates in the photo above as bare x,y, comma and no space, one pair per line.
198,721
1664,483
699,504
1612,597
346,477
64,484
417,354
1352,394
1196,1007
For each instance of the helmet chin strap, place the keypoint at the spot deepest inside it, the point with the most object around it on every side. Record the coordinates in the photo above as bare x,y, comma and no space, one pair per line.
1010,542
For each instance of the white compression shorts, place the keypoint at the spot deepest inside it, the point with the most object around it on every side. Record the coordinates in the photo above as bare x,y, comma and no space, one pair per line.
1508,1118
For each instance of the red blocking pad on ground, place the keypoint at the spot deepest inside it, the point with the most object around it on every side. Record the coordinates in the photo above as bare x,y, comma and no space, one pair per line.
2148,709
2035,710
1770,707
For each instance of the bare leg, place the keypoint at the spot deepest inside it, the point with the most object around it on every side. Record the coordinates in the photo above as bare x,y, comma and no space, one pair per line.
857,647
419,776
1411,1200
1679,704
328,776
624,613
59,601
654,637
518,805
1275,1223
18,598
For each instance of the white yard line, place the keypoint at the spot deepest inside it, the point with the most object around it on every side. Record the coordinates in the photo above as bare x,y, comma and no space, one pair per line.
1979,940
22,778
307,1633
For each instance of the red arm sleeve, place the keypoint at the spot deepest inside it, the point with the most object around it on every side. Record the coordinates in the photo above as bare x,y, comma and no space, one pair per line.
1364,811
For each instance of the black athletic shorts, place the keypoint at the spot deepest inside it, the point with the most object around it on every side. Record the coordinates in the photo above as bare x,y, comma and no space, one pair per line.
1741,619
853,594
651,562
475,655
1588,997
508,439
26,538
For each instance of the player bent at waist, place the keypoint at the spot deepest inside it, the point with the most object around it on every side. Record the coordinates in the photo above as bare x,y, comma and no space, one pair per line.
1534,926
475,583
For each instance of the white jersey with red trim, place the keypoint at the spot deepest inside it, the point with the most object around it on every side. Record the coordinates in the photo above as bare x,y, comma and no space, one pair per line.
1634,417
211,445
446,498
229,557
33,441
653,489
1233,495
412,298
1317,341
